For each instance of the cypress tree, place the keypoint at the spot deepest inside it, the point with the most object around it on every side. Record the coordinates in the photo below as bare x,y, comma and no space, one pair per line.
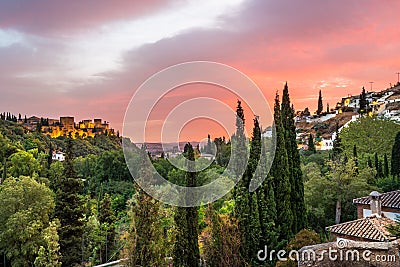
192,214
209,147
337,144
396,156
187,253
327,108
145,234
69,158
69,210
181,238
255,199
311,145
215,251
320,105
106,219
241,191
369,162
50,155
363,102
280,172
355,157
296,176
4,174
378,166
267,207
385,166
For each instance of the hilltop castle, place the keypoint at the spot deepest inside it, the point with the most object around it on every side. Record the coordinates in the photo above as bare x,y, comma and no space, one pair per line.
65,125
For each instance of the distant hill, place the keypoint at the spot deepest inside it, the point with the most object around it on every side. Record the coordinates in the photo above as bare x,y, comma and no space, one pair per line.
23,139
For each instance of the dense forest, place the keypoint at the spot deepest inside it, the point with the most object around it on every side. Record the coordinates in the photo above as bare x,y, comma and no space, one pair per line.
87,210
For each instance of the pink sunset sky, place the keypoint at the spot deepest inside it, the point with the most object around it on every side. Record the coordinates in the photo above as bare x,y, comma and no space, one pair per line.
86,58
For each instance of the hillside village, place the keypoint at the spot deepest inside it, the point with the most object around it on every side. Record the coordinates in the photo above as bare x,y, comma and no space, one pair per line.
323,127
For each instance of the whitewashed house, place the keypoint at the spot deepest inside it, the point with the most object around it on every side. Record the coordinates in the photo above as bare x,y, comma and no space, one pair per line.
58,156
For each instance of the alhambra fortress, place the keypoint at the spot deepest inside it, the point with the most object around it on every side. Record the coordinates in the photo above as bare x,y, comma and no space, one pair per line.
66,125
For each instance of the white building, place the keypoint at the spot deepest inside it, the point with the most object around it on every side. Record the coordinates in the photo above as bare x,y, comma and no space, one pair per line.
58,156
327,144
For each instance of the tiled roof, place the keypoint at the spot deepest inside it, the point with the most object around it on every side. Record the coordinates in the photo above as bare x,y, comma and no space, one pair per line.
389,200
371,228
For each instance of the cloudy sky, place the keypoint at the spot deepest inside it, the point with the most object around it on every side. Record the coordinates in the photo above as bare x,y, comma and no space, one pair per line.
87,58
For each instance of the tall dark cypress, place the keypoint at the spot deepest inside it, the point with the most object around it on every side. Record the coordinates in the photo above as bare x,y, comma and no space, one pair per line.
69,210
69,158
209,145
255,199
385,166
311,145
265,197
192,214
320,105
241,191
187,222
296,176
106,219
50,155
369,162
363,102
337,144
355,157
4,174
378,166
145,231
396,156
281,174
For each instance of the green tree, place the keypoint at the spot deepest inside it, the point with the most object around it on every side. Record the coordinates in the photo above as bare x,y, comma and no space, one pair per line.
371,135
311,145
221,239
255,201
223,152
355,157
280,173
385,166
396,156
69,159
344,179
107,220
369,162
144,244
69,210
49,254
25,209
241,192
329,196
320,105
186,249
337,144
296,179
363,102
23,163
378,166
208,149
303,238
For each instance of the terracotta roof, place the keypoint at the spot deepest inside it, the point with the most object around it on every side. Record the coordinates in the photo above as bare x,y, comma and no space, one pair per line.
372,228
389,200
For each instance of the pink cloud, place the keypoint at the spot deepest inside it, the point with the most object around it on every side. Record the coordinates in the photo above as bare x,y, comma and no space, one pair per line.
53,16
346,44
